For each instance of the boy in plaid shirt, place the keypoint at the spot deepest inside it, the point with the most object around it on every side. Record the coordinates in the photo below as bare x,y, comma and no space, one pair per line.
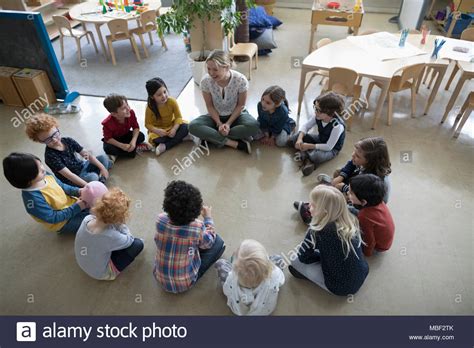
186,246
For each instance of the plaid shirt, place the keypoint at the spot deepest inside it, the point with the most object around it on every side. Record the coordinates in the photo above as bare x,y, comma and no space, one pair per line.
177,259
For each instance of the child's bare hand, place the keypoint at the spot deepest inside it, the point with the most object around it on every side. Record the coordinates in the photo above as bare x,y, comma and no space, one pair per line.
206,211
125,147
82,204
306,147
161,132
298,145
172,133
340,186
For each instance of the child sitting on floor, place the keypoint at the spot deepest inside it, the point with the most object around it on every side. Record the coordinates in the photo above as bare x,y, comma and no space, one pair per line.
61,153
366,192
252,282
166,127
331,254
122,136
370,156
275,124
46,198
316,149
104,246
186,246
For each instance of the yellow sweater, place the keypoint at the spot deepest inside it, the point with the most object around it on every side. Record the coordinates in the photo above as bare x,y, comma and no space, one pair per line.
170,115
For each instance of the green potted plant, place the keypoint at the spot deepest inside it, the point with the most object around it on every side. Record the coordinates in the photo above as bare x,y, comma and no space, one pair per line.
185,14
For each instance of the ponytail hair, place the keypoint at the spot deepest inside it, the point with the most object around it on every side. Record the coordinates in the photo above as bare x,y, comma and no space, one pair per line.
277,95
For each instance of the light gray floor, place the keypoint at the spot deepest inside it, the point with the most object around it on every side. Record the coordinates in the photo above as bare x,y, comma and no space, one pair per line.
427,271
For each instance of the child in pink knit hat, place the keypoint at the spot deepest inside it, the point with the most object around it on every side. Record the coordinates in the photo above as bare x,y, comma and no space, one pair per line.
93,191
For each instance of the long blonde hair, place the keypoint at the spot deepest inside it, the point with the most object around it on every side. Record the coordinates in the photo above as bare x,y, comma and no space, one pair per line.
252,264
330,206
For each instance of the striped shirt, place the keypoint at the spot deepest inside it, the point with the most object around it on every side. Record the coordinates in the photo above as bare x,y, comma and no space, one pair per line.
177,259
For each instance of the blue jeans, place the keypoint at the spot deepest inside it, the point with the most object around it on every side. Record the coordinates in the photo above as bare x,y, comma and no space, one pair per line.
74,223
209,256
90,172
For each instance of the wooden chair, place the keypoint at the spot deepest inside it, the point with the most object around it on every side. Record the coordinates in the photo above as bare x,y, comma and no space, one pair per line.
406,80
344,81
249,50
118,32
323,73
468,35
466,111
66,30
147,24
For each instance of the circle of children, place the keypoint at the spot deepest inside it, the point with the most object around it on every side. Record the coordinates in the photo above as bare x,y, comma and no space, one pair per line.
347,216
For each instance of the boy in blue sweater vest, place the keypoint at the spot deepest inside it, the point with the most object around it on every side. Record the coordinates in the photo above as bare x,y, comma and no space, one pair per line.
315,149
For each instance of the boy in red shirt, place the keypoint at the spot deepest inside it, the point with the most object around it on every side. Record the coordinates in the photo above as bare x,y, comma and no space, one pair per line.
122,136
366,192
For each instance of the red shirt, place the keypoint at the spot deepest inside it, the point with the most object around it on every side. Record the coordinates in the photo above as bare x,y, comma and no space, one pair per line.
377,228
112,128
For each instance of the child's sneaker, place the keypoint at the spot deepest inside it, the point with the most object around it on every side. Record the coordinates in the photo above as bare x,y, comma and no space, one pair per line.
160,149
324,179
295,273
189,137
112,158
303,209
308,168
244,145
144,147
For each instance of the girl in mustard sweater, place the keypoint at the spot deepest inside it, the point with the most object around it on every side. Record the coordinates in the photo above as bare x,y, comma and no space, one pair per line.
166,127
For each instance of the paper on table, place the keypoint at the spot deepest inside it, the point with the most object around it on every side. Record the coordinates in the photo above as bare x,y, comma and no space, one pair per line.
384,46
117,14
447,49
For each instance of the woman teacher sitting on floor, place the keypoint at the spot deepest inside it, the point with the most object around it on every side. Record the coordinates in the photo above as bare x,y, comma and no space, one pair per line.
225,92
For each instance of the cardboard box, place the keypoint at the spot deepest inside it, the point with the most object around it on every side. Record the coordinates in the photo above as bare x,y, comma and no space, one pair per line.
8,92
34,87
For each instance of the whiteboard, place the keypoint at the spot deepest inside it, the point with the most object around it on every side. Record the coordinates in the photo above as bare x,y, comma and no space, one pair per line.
412,13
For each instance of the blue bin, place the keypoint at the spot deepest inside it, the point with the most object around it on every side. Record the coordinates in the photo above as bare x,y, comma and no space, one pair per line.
461,24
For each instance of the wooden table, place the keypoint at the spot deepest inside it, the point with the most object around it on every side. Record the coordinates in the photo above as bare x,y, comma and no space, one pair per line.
467,73
83,13
324,16
345,54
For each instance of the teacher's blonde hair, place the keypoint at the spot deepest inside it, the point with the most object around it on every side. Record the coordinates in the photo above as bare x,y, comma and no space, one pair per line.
330,206
221,58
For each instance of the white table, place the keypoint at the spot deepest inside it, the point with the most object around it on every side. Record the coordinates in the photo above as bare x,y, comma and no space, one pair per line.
82,13
345,54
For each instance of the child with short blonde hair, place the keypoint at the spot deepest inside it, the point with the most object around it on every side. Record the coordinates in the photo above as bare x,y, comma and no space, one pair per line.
104,246
252,282
331,253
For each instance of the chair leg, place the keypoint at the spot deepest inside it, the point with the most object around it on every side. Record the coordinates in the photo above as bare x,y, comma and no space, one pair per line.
390,108
151,37
309,81
250,68
85,29
93,42
79,52
420,78
112,52
163,42
143,44
369,91
359,80
135,48
453,74
413,100
428,72
465,116
256,60
61,43
434,74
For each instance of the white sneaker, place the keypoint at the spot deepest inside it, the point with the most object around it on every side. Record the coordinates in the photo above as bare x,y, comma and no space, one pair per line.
112,158
324,179
189,137
160,149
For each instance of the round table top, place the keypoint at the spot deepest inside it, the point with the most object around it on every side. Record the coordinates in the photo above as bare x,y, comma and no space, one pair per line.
346,54
91,12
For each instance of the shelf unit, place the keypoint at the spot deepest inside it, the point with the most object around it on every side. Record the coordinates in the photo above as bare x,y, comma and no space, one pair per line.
48,10
462,6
